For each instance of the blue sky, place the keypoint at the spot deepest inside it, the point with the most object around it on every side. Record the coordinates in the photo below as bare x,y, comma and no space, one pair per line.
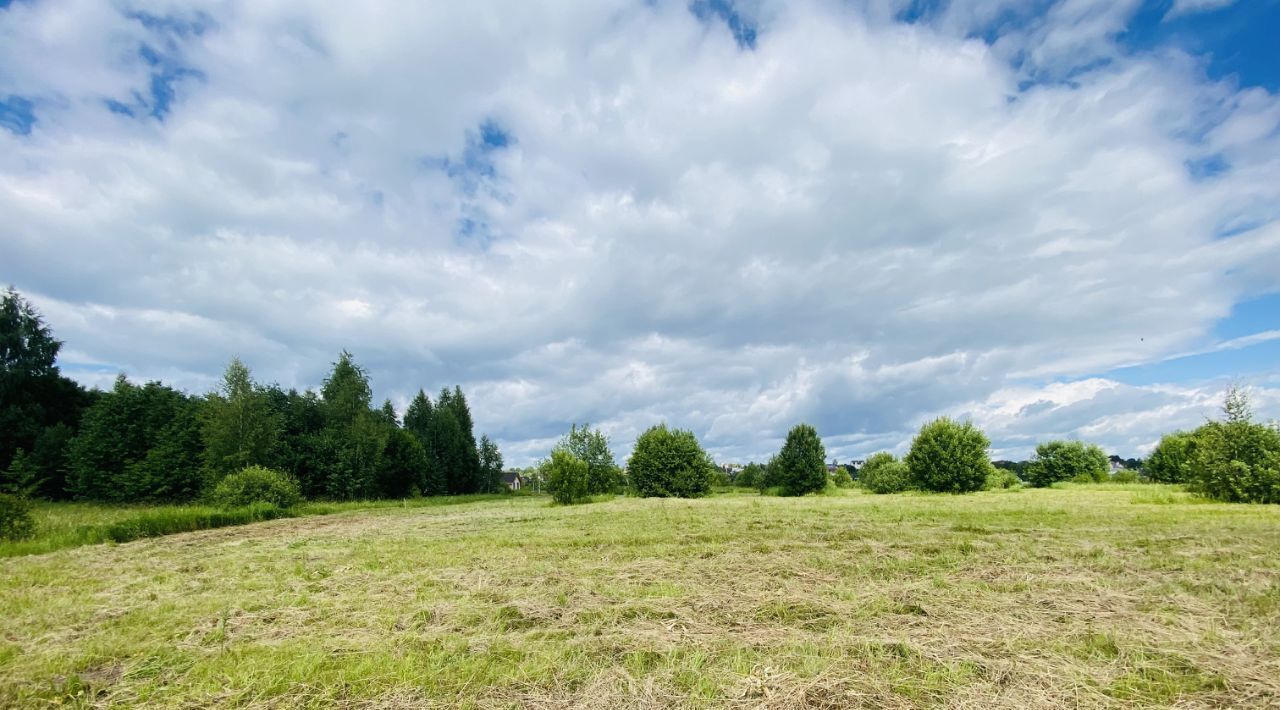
1057,218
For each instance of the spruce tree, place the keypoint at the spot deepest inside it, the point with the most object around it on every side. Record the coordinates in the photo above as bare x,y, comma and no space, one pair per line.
490,465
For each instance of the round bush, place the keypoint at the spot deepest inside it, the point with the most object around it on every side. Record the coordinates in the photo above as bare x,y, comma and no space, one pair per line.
884,473
1002,478
1236,461
256,484
801,465
567,477
669,463
1066,460
1168,461
949,457
16,522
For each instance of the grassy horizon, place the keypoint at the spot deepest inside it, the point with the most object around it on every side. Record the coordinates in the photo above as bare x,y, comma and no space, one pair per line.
1095,596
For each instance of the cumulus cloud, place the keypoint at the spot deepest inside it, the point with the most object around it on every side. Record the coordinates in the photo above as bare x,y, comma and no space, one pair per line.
621,212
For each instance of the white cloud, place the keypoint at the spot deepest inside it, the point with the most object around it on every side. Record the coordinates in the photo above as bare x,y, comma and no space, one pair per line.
860,223
1191,7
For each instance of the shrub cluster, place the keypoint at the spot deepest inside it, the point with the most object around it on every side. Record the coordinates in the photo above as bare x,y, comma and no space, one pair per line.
1002,478
1065,461
884,473
16,522
256,484
1236,462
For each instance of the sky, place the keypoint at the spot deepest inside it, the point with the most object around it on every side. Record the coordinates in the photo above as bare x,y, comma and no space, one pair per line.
1058,219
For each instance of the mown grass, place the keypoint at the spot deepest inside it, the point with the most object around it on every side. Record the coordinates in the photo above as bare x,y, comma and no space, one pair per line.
1079,596
63,525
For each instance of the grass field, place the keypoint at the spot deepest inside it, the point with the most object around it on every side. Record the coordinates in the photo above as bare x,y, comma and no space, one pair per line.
1093,596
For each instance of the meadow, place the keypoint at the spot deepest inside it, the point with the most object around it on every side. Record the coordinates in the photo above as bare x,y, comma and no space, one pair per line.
1080,595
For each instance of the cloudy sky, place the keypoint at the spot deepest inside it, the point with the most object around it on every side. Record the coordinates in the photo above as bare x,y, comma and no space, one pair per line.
1060,219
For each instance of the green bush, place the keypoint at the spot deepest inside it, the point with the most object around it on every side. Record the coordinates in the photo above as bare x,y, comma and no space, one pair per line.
750,474
669,463
1002,478
16,522
801,464
1125,476
1168,461
841,478
1066,461
256,484
567,477
884,473
1236,461
949,457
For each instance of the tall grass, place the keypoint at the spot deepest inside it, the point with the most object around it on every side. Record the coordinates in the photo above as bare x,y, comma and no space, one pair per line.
63,525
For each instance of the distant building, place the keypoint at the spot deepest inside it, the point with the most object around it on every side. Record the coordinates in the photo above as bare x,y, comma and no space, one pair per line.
513,479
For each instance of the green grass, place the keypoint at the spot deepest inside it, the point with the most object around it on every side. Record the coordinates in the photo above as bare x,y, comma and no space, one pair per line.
1079,596
63,525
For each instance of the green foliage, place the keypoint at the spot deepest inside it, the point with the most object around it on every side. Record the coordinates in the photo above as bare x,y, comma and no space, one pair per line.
841,478
136,444
1169,460
1125,476
1056,461
1002,478
34,396
352,437
884,473
949,457
749,476
460,458
669,463
801,464
239,427
22,477
256,484
403,467
592,446
16,522
566,476
1236,461
491,466
180,521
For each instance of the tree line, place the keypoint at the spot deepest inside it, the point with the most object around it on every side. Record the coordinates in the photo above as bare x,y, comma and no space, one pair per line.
151,442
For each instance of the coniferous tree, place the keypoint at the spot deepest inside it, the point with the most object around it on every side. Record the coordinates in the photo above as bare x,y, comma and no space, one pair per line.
490,465
468,477
402,467
449,447
417,421
387,414
137,443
